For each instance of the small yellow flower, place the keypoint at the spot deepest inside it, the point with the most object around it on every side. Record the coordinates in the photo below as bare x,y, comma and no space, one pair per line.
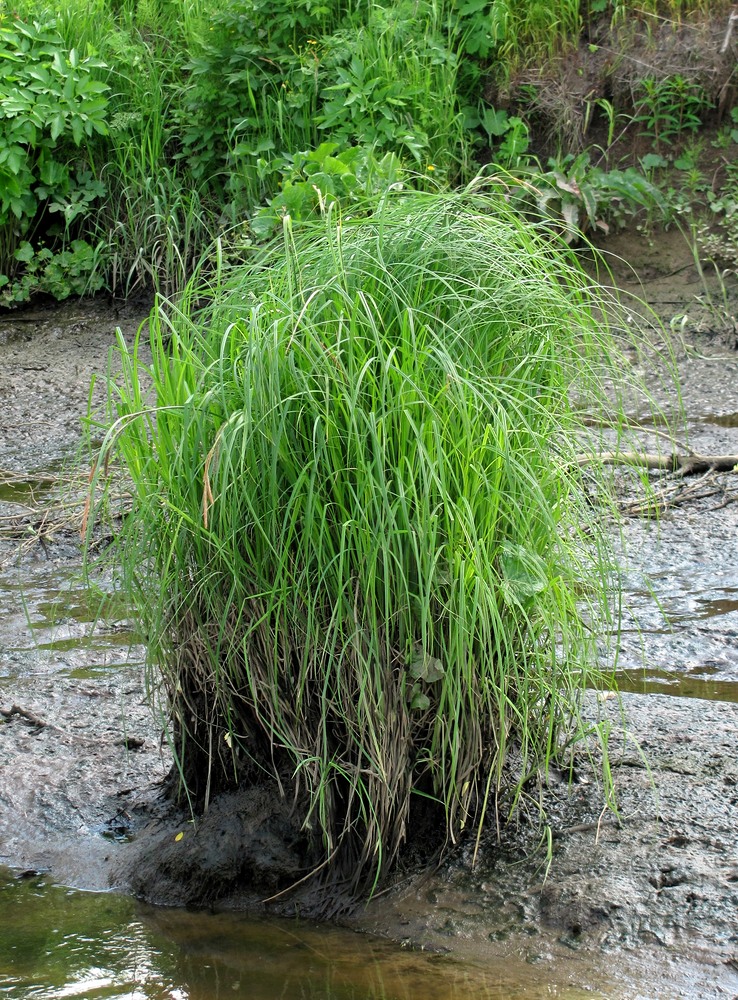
430,167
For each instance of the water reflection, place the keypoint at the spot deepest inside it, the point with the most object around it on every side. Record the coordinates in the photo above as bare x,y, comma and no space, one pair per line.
653,681
57,943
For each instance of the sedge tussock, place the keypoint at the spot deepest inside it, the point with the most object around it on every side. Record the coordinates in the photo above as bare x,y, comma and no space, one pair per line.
360,543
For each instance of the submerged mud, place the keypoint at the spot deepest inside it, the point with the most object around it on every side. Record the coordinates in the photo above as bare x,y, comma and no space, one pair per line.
646,891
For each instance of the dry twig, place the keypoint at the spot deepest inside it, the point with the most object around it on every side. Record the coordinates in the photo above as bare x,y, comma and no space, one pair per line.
684,465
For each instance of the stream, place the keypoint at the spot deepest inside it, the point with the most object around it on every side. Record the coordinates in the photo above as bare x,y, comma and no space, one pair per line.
69,656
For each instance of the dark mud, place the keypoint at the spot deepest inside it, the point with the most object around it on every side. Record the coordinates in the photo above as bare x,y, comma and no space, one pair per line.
645,897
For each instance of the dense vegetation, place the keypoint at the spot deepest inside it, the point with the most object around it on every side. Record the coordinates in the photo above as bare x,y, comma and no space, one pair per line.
133,132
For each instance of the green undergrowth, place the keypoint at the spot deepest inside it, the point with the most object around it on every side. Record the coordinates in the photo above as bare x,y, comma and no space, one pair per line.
368,566
134,133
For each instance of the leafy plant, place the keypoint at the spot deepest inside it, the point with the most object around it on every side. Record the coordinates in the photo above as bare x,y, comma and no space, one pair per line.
728,133
190,114
669,107
51,103
359,540
393,87
718,238
250,76
73,271
508,136
507,33
318,180
577,197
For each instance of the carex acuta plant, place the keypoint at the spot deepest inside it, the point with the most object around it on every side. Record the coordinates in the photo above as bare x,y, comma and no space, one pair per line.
360,545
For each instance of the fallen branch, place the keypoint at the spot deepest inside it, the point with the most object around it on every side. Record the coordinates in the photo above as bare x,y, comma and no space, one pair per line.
685,465
674,495
39,723
35,720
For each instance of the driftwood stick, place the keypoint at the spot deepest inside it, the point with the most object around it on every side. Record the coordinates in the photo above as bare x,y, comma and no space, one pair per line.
686,465
39,723
24,714
728,32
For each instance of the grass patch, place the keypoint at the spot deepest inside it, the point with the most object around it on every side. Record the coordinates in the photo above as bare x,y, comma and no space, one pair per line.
361,547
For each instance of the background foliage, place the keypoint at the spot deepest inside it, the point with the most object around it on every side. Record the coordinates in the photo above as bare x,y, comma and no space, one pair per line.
138,130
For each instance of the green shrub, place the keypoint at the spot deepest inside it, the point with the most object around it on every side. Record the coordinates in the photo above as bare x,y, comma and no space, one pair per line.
189,114
669,108
359,542
51,104
391,83
319,179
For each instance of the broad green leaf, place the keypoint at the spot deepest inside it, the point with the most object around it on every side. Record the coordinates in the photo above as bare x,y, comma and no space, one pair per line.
653,161
426,668
523,572
419,700
24,253
494,122
57,125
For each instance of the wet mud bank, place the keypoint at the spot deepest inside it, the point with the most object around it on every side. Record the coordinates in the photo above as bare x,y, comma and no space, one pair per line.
647,893
76,735
644,896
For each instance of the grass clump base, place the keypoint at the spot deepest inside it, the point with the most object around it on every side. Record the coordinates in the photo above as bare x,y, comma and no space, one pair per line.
359,544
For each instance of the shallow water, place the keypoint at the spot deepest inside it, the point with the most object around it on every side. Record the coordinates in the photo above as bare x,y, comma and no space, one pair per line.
57,943
679,632
53,623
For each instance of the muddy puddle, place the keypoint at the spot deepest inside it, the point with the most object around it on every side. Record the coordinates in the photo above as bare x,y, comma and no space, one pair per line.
680,588
54,622
57,942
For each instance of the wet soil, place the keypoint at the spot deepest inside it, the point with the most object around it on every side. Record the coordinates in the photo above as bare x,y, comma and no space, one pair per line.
680,626
652,889
645,897
65,787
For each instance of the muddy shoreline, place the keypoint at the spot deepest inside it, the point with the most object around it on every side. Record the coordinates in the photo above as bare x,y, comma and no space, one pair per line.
648,894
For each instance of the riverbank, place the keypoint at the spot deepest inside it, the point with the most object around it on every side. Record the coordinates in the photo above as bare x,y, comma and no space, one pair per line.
645,896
